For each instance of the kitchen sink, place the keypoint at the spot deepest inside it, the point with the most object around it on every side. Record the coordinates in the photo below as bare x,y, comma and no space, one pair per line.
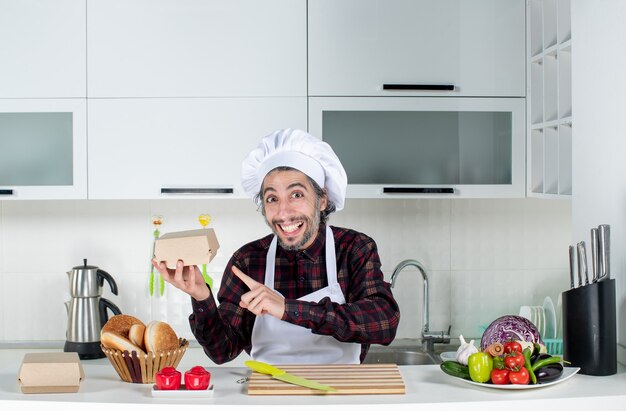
402,357
407,354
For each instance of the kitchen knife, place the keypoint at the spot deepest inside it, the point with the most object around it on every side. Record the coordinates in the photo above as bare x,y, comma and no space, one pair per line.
594,254
572,264
582,262
282,375
604,251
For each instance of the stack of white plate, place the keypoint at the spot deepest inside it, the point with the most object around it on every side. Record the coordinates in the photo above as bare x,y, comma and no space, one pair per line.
543,317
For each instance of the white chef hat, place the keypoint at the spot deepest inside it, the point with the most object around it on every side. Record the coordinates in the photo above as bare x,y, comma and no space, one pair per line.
300,150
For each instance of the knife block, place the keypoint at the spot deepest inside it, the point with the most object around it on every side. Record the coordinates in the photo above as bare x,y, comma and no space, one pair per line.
589,328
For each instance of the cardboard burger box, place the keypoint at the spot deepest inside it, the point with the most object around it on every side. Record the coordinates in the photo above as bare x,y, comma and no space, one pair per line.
193,247
44,373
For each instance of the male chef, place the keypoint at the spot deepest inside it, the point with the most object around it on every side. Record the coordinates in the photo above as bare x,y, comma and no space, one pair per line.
309,293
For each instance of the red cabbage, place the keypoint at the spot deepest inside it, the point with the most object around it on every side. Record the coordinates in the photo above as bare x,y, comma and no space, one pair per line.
510,327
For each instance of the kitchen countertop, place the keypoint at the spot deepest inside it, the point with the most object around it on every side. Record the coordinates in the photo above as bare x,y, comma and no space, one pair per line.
426,385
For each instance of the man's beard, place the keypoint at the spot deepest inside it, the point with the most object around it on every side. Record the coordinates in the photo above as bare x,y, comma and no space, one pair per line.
313,225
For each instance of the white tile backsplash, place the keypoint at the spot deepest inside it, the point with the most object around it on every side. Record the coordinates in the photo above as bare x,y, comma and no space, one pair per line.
473,250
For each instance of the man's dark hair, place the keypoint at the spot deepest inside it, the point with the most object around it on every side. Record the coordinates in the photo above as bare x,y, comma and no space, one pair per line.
319,192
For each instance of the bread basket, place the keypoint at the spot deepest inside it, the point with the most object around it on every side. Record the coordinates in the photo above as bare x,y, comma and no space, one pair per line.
141,368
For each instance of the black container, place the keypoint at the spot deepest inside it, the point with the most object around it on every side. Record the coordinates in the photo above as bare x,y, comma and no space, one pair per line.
589,328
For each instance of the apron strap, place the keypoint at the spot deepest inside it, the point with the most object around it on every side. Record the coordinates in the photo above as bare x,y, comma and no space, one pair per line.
270,263
331,259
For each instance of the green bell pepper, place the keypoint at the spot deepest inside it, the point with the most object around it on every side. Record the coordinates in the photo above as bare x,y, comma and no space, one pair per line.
480,365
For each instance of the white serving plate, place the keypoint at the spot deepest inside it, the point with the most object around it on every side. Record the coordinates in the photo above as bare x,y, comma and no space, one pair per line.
182,392
568,372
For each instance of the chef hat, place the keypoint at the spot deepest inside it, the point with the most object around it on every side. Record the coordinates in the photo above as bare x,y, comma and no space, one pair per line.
300,150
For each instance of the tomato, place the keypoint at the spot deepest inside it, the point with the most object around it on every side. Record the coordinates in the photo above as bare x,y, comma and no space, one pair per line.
197,378
500,376
480,365
520,377
514,360
168,379
512,346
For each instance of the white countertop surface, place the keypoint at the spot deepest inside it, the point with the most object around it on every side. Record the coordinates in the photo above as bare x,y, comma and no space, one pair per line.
426,386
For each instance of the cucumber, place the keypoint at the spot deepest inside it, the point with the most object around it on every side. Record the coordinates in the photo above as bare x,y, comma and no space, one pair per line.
455,369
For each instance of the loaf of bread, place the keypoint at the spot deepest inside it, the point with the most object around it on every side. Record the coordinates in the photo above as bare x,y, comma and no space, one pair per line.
121,324
116,341
136,333
159,336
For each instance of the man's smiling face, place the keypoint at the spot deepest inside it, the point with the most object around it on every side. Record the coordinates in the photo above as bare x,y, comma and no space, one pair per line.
291,208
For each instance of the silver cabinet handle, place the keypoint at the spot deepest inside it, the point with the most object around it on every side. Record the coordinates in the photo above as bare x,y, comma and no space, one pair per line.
418,190
205,190
419,87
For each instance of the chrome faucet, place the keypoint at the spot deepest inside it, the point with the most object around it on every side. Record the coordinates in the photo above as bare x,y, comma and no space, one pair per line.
429,338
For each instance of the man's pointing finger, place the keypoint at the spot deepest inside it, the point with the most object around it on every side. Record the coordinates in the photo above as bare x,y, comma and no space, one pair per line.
252,284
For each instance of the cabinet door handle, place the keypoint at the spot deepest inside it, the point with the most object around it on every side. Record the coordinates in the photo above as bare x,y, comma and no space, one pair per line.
418,190
5,192
218,190
419,87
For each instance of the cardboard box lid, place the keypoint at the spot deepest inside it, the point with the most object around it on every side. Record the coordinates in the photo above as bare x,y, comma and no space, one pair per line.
50,372
193,247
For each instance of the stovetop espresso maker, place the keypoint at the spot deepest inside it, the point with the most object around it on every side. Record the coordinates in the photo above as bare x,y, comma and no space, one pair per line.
87,311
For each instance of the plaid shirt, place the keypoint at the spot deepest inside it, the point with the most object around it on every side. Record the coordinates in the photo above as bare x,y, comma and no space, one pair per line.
370,315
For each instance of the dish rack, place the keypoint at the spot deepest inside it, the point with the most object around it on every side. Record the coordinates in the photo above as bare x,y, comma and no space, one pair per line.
554,346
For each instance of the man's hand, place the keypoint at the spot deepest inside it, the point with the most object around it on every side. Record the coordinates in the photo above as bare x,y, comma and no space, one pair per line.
260,299
187,279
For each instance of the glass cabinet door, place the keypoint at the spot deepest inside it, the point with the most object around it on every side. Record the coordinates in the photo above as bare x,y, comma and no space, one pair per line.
470,147
42,149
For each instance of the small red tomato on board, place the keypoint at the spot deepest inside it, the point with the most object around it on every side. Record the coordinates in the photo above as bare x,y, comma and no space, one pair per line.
197,378
512,346
520,377
500,377
514,360
168,379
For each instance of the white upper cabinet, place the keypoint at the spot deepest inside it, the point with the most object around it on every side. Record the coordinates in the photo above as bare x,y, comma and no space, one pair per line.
43,149
357,46
42,48
425,147
172,148
196,48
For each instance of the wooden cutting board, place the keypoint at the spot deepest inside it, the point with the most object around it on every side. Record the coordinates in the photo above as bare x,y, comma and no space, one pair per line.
347,379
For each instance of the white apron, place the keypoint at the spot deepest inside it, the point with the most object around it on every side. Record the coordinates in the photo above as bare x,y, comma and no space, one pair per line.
279,342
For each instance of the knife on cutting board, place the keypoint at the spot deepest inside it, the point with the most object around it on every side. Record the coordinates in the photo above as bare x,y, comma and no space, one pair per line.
282,375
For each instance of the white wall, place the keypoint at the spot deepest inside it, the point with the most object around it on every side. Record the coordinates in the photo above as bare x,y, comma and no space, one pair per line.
485,257
599,140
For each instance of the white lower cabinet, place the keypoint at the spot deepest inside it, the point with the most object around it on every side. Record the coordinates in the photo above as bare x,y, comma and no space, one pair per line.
177,148
43,149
